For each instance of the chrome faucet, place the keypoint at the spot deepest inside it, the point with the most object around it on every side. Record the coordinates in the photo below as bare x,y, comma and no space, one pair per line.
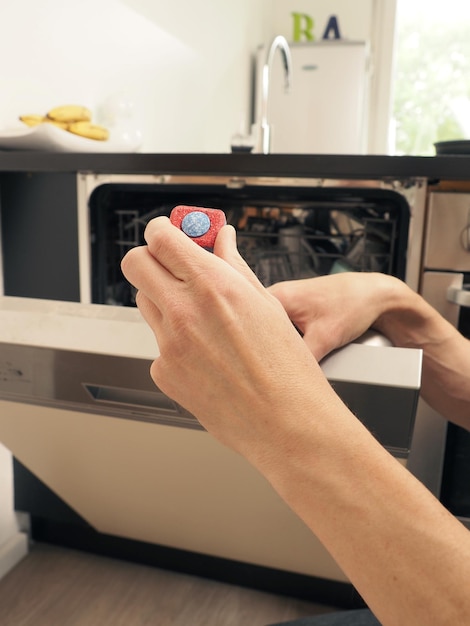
279,42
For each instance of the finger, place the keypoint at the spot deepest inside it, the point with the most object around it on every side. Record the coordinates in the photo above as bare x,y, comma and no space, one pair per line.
174,250
149,311
154,319
285,292
226,248
145,272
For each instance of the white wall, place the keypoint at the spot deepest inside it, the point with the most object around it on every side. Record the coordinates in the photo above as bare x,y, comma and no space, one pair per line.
13,542
185,65
8,524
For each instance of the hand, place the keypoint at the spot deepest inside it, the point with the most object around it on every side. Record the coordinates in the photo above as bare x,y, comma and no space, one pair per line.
332,311
228,352
231,356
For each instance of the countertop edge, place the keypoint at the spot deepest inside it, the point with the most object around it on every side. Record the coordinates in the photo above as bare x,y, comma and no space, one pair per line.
294,165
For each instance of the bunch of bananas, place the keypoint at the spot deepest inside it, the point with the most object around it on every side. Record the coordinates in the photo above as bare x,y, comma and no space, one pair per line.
73,118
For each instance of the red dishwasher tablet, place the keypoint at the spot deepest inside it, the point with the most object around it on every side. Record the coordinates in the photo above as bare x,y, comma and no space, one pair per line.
199,223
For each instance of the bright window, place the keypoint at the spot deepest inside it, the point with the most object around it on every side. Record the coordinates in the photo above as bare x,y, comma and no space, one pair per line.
431,86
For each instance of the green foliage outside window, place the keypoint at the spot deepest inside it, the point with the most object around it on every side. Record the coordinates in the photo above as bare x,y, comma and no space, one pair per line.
431,85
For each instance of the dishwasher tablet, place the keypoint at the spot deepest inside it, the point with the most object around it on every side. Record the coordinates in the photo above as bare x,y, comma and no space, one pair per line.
199,223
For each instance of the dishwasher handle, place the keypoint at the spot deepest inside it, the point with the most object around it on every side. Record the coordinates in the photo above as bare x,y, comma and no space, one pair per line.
459,295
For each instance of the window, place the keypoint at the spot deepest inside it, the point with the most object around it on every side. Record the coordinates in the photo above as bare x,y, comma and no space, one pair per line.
431,84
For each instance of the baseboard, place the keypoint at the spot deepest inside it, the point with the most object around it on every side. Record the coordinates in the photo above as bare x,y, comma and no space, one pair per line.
12,552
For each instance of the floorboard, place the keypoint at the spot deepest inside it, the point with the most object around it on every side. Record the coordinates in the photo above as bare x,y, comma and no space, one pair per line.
54,586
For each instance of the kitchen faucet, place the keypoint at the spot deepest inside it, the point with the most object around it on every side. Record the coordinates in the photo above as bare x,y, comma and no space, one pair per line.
279,42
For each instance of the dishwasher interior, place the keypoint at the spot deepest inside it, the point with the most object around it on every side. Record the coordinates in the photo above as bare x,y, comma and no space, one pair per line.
283,232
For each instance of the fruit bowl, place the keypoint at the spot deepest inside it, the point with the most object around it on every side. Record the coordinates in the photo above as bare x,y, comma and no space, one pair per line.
50,138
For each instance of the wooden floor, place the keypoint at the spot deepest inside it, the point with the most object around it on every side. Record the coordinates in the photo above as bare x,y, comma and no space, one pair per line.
58,587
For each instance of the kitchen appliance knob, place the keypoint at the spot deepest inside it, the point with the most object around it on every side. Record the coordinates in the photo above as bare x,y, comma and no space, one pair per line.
459,295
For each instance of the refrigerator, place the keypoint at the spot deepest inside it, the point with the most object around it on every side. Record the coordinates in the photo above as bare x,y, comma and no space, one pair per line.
325,109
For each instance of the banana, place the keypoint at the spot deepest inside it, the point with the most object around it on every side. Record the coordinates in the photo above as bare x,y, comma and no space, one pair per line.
70,117
69,113
35,120
90,131
62,125
32,120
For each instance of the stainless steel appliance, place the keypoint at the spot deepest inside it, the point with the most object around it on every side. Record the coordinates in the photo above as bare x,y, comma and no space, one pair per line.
117,461
446,285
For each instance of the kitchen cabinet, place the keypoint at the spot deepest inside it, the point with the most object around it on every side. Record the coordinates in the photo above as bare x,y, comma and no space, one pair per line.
41,196
39,226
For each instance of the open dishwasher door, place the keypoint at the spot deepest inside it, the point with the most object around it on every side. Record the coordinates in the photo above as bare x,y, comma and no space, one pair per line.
103,460
79,411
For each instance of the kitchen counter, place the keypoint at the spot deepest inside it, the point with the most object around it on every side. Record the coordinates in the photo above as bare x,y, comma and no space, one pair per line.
74,464
91,328
299,166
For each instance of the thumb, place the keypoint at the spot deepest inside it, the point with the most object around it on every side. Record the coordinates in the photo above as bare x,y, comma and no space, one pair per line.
225,247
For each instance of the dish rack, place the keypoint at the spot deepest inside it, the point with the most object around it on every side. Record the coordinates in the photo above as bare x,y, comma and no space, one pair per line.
291,244
280,238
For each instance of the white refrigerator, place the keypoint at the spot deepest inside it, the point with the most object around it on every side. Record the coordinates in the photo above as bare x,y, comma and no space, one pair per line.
325,110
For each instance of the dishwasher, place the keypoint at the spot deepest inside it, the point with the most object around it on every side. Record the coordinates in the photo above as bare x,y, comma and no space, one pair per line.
112,465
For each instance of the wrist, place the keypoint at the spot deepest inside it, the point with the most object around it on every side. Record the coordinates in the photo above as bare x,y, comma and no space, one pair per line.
404,316
315,426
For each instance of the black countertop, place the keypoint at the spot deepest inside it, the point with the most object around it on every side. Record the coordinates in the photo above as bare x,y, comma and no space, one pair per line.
316,166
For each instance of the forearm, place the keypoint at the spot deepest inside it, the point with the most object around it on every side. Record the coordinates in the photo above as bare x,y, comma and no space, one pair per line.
230,356
405,554
409,321
332,311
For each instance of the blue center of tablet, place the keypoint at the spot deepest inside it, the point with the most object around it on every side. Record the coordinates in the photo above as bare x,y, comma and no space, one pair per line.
195,224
